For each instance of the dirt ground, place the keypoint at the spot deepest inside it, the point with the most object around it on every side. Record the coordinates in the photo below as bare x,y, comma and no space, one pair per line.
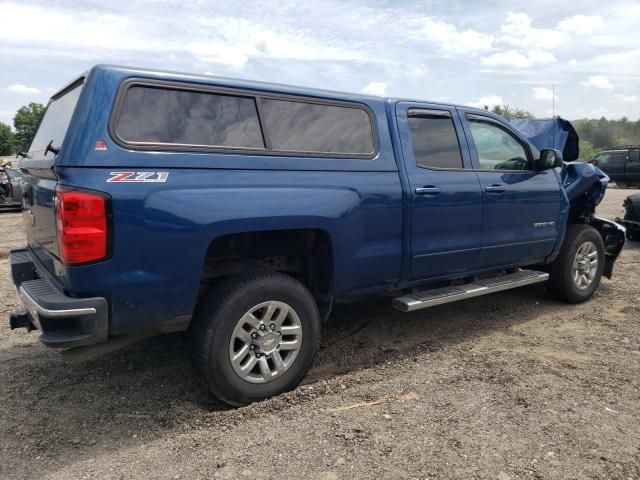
513,385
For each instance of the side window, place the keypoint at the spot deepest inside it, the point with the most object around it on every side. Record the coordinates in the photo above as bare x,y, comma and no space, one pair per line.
602,159
617,159
184,117
295,126
435,143
497,149
634,156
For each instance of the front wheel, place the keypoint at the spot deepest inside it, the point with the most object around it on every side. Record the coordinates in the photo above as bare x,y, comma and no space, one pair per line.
255,336
576,273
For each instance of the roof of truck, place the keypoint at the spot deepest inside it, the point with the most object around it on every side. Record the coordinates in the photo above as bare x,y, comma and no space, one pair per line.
257,85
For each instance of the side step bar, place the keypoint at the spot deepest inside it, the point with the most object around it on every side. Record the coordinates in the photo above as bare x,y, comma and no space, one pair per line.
438,296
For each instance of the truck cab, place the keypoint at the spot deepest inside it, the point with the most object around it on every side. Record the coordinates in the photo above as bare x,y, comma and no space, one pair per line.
241,211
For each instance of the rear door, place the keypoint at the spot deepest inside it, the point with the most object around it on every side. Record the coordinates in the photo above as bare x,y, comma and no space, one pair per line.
445,198
632,171
39,181
520,207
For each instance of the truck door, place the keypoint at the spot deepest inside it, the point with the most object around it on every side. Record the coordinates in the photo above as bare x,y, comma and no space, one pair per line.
632,171
520,207
444,193
615,166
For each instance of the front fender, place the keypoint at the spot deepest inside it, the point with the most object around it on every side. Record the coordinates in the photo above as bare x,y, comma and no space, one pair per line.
580,178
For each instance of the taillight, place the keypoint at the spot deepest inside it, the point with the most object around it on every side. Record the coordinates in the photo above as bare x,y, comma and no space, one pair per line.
81,222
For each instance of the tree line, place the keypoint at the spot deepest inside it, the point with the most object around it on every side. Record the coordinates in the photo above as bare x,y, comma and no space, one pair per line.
595,135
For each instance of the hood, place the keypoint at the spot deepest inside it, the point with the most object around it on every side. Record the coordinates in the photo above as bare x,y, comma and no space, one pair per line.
553,132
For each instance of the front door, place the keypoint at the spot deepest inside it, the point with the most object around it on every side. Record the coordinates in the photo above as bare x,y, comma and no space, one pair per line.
444,193
520,207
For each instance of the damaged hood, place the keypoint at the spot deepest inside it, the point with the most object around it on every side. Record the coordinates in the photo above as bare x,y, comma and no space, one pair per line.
580,178
553,132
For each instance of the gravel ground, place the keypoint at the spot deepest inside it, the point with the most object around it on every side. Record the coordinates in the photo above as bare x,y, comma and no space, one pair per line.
512,385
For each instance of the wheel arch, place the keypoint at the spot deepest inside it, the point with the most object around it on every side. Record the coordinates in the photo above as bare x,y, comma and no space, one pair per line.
304,253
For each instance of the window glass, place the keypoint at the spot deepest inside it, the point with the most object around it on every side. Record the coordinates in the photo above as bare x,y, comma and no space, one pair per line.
618,158
55,122
497,149
634,156
309,127
169,116
13,174
435,143
602,159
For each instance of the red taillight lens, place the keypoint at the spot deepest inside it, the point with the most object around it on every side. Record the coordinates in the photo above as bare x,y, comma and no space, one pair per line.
81,221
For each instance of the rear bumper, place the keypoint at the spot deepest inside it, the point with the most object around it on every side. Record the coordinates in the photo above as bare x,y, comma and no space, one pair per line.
64,321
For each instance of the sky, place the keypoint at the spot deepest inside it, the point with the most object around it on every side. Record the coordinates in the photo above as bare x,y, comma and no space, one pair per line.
464,52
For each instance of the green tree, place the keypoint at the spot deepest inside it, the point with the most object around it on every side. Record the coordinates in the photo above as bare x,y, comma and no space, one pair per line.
603,133
6,140
510,113
587,150
25,123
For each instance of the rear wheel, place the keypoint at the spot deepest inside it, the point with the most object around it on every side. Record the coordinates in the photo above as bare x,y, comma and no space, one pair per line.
576,273
255,336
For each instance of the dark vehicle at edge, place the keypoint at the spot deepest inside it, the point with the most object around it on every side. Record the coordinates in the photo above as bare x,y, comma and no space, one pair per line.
622,165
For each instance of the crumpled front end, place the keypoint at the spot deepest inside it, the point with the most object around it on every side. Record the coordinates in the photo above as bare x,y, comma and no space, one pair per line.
585,185
584,182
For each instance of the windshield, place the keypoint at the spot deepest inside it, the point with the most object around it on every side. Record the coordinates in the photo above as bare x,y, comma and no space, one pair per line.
55,122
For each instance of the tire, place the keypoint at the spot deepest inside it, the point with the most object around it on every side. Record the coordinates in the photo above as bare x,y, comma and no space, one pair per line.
222,315
631,206
622,185
562,284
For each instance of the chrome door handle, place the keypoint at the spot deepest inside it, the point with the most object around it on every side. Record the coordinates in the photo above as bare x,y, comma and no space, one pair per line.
427,191
494,189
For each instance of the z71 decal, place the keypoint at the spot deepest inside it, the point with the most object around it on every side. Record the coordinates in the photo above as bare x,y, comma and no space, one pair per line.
138,177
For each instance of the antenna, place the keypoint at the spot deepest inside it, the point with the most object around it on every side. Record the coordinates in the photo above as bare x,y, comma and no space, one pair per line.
553,112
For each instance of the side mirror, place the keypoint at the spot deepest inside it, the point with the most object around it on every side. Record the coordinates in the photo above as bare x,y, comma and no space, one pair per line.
549,158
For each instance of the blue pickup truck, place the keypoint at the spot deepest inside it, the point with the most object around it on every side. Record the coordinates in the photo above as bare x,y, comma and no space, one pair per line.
240,211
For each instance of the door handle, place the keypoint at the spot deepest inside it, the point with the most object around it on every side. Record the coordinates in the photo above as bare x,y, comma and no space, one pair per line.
428,190
497,188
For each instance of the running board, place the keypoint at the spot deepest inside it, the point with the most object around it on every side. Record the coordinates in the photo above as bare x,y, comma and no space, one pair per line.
438,296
